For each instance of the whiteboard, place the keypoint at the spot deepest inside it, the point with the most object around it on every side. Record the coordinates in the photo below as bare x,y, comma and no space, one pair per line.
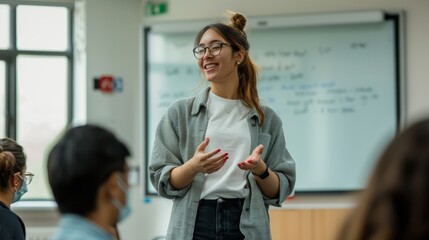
335,87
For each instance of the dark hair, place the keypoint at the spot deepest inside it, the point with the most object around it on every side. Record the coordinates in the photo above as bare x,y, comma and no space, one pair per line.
248,71
12,160
395,204
80,163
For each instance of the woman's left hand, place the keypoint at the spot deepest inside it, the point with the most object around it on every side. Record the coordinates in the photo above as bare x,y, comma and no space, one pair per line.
254,162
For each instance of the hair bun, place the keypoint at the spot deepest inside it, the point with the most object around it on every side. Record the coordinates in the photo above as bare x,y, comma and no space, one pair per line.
238,21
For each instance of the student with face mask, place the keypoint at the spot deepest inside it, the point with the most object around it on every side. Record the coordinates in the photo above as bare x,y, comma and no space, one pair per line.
88,176
13,184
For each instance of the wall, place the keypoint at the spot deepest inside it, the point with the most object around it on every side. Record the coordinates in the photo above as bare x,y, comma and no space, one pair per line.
113,46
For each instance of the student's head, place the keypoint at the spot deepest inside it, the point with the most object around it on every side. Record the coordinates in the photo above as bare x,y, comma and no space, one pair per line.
87,171
226,46
13,179
395,204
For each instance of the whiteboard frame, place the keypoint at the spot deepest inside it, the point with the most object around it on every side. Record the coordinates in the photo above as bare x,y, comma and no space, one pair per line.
284,21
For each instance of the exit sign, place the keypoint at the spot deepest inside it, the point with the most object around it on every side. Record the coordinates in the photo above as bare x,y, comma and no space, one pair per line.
157,8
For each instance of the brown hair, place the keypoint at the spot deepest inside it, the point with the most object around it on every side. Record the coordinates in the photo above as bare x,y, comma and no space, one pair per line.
12,160
248,71
395,204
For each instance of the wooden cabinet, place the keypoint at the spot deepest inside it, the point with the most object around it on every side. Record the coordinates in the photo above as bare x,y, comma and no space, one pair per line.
306,224
291,224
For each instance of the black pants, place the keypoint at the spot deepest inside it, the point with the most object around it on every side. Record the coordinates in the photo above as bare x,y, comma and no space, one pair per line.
219,220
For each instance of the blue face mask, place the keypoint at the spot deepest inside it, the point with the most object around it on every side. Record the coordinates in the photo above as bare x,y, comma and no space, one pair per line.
18,194
124,210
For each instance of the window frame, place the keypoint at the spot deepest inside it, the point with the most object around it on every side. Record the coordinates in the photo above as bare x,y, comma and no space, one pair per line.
10,57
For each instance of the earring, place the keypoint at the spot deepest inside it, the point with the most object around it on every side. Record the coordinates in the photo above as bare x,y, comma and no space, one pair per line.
238,63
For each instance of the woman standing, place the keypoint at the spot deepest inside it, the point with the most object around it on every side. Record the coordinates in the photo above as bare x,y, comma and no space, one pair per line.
220,155
13,184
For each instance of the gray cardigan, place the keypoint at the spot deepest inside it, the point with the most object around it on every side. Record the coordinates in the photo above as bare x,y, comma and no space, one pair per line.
180,131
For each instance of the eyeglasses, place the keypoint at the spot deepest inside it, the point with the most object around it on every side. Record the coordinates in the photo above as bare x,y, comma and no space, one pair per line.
214,49
28,177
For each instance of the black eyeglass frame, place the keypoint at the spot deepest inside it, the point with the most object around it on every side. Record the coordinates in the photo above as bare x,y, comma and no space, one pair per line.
200,54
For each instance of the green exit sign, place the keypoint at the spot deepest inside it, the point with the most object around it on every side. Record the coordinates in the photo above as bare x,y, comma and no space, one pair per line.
157,8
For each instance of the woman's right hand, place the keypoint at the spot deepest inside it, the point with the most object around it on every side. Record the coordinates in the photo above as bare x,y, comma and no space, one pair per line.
210,162
207,162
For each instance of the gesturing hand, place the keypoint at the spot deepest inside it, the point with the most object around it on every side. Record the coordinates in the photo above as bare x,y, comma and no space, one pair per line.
254,162
208,162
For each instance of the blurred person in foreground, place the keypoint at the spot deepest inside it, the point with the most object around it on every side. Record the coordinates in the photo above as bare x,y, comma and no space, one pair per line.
395,204
88,175
13,184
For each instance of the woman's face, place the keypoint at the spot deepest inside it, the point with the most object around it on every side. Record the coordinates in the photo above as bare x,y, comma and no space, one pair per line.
220,68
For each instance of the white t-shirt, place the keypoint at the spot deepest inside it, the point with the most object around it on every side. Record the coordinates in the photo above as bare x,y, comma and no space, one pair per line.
228,130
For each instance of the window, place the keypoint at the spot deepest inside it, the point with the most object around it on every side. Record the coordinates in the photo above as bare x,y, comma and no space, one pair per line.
4,26
36,66
42,28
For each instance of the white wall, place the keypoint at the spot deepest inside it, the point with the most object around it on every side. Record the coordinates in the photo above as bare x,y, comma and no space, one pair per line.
114,47
113,37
